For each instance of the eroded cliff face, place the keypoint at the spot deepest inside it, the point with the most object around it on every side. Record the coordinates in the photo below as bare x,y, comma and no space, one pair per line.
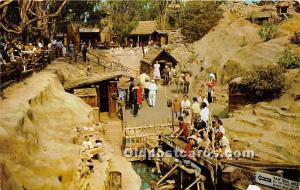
37,121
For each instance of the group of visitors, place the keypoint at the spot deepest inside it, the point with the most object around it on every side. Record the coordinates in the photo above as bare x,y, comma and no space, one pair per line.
144,89
170,77
197,126
17,54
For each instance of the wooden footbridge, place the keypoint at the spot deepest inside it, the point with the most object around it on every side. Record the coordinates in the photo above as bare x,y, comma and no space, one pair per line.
231,172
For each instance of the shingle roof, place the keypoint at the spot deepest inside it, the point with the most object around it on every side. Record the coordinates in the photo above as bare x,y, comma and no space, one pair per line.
154,53
144,28
83,92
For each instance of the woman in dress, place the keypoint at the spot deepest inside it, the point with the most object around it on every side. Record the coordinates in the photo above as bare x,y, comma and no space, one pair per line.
156,71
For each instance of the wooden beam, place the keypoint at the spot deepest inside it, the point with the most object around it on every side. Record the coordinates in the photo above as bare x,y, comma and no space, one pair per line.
167,175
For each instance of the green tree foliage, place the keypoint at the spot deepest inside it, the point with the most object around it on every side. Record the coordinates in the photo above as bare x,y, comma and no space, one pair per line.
266,82
198,18
289,60
126,14
267,32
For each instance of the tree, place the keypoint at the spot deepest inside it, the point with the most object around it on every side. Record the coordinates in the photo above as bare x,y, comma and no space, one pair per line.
126,14
264,83
18,16
198,18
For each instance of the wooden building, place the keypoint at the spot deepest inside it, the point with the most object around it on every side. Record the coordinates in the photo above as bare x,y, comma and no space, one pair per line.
147,31
89,96
260,18
161,37
156,54
100,93
89,34
143,32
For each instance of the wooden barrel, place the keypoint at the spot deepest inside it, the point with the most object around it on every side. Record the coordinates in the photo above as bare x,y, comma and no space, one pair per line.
115,180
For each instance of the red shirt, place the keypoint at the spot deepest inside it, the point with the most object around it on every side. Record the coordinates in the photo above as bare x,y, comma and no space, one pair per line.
139,95
183,126
187,150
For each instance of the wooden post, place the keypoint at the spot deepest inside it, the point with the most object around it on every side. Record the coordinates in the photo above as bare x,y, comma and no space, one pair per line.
167,175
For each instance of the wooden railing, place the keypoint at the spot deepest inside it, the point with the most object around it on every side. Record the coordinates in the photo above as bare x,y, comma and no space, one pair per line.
136,137
111,65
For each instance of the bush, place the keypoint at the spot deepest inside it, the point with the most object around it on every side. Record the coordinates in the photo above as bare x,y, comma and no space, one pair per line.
296,38
198,18
267,32
288,60
264,83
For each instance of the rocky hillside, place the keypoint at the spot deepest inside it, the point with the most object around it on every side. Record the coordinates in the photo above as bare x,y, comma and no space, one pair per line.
37,121
233,47
271,129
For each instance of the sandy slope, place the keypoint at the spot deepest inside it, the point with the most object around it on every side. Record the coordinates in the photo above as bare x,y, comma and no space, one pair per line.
221,49
37,121
271,129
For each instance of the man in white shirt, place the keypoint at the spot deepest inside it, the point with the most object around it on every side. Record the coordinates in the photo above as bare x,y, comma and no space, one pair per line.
219,127
152,93
143,78
185,104
224,142
204,113
195,109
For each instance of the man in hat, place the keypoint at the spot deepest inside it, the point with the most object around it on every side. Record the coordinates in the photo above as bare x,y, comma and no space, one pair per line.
188,154
152,93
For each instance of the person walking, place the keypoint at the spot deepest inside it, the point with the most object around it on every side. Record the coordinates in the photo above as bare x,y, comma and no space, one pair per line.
176,107
185,103
131,86
211,88
71,49
135,101
186,84
84,51
152,93
139,94
204,113
156,71
195,109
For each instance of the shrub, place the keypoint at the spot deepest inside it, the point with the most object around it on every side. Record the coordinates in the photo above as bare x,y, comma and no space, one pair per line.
296,38
288,60
267,32
198,18
264,83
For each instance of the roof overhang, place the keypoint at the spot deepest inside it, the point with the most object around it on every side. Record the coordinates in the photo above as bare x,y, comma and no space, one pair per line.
89,30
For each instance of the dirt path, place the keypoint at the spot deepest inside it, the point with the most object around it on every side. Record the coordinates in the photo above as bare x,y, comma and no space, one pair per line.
113,136
160,114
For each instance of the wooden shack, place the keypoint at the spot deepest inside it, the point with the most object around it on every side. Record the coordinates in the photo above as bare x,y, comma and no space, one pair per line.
101,93
156,54
143,32
89,96
282,8
262,18
161,37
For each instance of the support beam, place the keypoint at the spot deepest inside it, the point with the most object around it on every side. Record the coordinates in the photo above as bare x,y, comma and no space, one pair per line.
167,175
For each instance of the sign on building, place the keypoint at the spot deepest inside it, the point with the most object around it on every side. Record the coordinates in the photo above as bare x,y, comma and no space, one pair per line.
276,181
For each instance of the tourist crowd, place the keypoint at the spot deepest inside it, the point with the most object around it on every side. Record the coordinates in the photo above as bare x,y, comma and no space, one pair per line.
197,125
